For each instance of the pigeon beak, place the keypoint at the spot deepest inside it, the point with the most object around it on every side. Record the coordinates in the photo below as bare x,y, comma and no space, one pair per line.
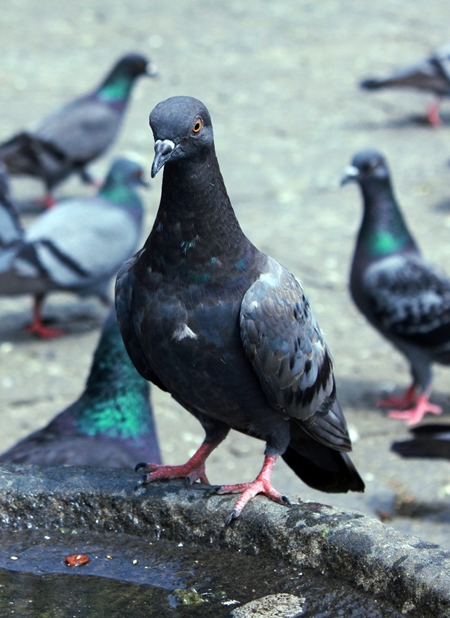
163,152
351,174
151,70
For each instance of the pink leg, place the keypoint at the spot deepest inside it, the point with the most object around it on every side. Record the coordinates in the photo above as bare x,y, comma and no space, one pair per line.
37,327
433,114
407,400
193,470
48,201
415,414
261,485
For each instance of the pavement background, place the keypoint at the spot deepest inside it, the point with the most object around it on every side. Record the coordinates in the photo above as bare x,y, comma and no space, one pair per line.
280,81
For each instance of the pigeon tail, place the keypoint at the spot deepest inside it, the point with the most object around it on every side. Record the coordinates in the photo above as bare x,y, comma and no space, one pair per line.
431,440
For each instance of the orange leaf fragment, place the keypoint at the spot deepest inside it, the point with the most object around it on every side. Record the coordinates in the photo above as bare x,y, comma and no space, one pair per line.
77,560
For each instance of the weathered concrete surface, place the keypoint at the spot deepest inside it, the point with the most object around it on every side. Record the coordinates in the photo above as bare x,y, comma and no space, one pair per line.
410,573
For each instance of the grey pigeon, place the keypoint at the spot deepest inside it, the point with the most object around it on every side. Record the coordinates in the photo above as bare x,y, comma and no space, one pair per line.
405,297
430,75
111,424
430,441
78,246
69,139
224,328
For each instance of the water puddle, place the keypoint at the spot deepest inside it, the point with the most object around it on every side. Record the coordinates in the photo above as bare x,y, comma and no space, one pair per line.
130,576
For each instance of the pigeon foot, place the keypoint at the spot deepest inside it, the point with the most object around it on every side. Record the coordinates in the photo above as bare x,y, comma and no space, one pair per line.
406,401
261,485
193,470
44,332
415,414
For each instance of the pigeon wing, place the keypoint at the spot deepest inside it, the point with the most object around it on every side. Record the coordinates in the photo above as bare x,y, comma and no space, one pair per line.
410,298
283,341
81,130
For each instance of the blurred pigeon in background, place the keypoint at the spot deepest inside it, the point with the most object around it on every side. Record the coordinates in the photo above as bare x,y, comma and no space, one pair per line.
406,298
77,246
431,440
111,424
68,140
430,75
224,328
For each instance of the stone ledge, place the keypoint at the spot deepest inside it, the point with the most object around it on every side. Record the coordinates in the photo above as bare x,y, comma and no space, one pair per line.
410,573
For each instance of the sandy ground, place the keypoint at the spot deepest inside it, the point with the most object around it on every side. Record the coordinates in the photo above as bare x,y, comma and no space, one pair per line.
280,80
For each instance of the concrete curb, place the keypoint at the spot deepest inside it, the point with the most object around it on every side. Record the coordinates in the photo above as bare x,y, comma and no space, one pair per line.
409,573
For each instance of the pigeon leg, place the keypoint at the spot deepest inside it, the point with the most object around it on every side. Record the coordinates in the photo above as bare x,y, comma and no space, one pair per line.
88,179
192,470
407,400
433,114
48,201
261,485
416,413
37,327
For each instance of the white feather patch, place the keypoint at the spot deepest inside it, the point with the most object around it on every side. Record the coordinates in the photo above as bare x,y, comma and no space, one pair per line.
182,332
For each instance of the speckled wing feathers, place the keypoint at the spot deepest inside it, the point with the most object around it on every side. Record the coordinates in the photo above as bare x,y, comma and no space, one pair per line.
410,297
284,344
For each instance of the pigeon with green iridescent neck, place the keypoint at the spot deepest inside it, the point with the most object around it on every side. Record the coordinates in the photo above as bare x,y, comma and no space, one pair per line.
430,75
405,297
111,424
78,246
224,328
428,441
72,137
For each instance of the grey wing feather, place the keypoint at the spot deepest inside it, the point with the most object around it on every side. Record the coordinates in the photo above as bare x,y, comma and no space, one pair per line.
410,297
283,341
82,129
85,233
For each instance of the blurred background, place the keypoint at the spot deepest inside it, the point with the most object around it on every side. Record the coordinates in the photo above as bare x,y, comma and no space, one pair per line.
281,83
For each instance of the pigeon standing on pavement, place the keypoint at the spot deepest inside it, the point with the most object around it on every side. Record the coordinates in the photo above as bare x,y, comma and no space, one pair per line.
78,246
224,328
430,75
72,137
406,298
111,424
430,441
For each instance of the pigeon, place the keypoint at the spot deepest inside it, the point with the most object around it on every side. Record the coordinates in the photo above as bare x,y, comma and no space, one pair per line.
403,296
111,424
73,136
226,329
78,246
430,75
432,440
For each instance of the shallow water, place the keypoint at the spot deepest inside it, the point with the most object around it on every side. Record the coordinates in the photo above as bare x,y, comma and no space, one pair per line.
129,576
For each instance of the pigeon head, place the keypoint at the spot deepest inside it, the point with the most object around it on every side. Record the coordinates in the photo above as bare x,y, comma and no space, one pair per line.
133,65
366,164
182,130
125,171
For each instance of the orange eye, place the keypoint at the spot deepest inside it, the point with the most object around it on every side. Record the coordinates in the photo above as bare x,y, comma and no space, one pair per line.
197,126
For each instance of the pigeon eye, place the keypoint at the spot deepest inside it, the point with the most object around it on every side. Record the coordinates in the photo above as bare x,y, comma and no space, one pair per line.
197,126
